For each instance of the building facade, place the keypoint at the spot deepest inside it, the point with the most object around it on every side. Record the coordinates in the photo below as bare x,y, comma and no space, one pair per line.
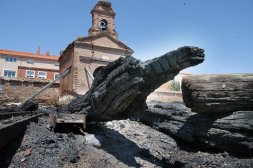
28,66
85,54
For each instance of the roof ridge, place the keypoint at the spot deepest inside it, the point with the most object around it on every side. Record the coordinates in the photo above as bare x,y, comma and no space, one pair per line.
24,52
105,35
28,54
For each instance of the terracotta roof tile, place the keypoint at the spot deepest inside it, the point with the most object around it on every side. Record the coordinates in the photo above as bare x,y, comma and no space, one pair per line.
28,55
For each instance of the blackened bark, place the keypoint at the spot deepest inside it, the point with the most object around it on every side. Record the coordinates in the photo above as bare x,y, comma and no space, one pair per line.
218,93
230,132
120,89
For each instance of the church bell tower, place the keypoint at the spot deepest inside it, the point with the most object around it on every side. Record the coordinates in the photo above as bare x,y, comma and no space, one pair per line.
103,18
84,55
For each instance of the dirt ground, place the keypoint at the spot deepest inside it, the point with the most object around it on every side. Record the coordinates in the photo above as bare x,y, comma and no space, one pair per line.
120,144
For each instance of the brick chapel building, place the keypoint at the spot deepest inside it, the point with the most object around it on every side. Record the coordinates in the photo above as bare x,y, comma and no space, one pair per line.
85,54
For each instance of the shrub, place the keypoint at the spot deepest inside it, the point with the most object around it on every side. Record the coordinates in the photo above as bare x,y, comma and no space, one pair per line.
175,85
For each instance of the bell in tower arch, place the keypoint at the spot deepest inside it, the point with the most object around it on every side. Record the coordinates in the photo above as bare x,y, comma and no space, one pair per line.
103,24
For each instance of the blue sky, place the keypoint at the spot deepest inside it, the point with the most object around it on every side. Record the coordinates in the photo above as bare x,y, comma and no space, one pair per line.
224,28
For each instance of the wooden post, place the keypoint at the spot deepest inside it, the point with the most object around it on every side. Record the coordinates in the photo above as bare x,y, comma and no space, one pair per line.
89,73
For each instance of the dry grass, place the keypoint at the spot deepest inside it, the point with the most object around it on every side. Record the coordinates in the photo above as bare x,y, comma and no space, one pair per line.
165,97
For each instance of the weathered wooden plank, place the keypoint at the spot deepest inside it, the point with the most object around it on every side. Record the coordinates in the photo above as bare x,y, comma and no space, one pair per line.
6,115
55,120
10,131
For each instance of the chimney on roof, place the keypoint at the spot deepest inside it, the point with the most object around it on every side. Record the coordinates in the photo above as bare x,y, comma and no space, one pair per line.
47,53
38,51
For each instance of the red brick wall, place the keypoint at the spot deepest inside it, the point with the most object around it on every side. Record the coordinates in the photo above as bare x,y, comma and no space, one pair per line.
78,81
66,83
22,72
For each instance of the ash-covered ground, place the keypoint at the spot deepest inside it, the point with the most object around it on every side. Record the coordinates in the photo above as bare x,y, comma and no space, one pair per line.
123,143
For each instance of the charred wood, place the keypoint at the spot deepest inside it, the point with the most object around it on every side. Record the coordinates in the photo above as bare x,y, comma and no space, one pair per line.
120,89
231,132
218,93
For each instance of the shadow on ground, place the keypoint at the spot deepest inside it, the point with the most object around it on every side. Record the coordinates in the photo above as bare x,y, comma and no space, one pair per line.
123,149
9,151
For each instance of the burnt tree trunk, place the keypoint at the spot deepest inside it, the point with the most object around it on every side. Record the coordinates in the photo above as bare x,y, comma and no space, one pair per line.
218,93
231,132
120,89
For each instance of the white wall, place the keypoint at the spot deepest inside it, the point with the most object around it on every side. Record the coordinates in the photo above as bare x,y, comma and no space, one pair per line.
22,61
4,65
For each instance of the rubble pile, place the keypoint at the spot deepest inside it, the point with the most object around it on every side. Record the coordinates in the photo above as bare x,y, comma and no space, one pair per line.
122,143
